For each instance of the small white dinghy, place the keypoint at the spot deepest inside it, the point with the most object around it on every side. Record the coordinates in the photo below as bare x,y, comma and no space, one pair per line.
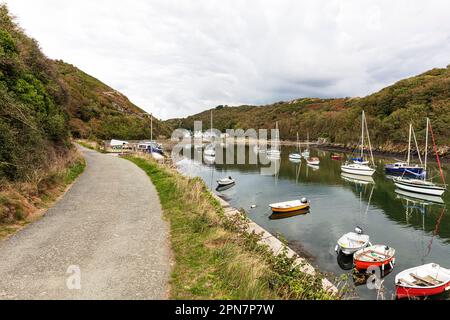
351,242
426,280
226,182
313,161
290,206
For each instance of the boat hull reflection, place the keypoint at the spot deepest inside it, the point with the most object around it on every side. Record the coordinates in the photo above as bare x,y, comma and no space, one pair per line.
418,196
226,187
345,261
278,216
357,178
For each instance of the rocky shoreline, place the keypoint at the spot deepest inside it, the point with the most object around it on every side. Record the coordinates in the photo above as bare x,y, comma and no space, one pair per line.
388,151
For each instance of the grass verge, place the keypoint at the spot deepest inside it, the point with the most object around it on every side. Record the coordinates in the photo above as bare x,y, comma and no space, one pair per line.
214,257
25,202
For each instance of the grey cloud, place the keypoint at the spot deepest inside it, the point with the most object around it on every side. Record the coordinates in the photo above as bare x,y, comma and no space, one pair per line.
175,58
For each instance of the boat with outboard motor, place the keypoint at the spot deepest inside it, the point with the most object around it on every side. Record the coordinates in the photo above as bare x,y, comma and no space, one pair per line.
351,242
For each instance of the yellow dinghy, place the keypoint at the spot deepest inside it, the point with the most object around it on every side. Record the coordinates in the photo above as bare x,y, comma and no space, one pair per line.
289,206
284,215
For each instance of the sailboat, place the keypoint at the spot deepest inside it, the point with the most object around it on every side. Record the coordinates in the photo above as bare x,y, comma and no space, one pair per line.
359,166
209,149
306,153
275,152
296,155
421,184
406,167
154,148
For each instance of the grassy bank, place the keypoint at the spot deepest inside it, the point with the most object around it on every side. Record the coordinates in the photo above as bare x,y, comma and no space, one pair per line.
214,257
23,202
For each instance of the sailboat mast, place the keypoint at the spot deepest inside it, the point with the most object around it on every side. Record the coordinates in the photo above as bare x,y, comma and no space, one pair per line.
298,144
278,139
426,146
409,144
362,136
417,146
151,127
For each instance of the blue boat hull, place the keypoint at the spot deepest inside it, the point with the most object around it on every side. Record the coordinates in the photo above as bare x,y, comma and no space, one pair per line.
404,170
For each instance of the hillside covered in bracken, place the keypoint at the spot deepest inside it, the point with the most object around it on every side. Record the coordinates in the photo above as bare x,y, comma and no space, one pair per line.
98,111
389,113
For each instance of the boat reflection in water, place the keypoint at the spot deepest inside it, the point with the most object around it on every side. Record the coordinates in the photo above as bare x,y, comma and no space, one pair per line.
226,187
418,197
357,178
278,216
313,167
345,261
361,278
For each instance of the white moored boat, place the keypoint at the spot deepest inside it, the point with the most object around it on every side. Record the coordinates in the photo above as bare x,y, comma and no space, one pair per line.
306,153
359,166
351,242
226,182
290,206
210,151
274,152
313,161
422,185
419,186
296,155
359,169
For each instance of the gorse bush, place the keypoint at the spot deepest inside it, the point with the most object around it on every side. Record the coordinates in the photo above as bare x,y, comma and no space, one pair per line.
32,126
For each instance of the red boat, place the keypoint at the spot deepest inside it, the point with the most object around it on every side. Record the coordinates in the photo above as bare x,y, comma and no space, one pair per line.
336,157
426,280
378,255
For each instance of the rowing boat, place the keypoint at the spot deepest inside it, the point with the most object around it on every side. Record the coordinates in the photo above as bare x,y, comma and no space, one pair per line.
426,280
290,206
378,255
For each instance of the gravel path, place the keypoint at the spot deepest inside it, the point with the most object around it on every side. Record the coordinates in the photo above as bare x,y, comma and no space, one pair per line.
107,231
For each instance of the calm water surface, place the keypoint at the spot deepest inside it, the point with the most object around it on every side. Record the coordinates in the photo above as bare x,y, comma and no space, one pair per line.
418,229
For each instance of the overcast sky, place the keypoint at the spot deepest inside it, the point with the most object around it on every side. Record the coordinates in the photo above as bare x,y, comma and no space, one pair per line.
176,58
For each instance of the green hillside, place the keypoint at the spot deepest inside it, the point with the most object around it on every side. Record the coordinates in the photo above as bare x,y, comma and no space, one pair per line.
389,113
96,110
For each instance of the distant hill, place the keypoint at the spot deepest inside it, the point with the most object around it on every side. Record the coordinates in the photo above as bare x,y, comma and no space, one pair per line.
389,113
43,103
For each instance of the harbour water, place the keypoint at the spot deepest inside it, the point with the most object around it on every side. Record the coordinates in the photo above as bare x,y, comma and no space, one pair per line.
419,229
